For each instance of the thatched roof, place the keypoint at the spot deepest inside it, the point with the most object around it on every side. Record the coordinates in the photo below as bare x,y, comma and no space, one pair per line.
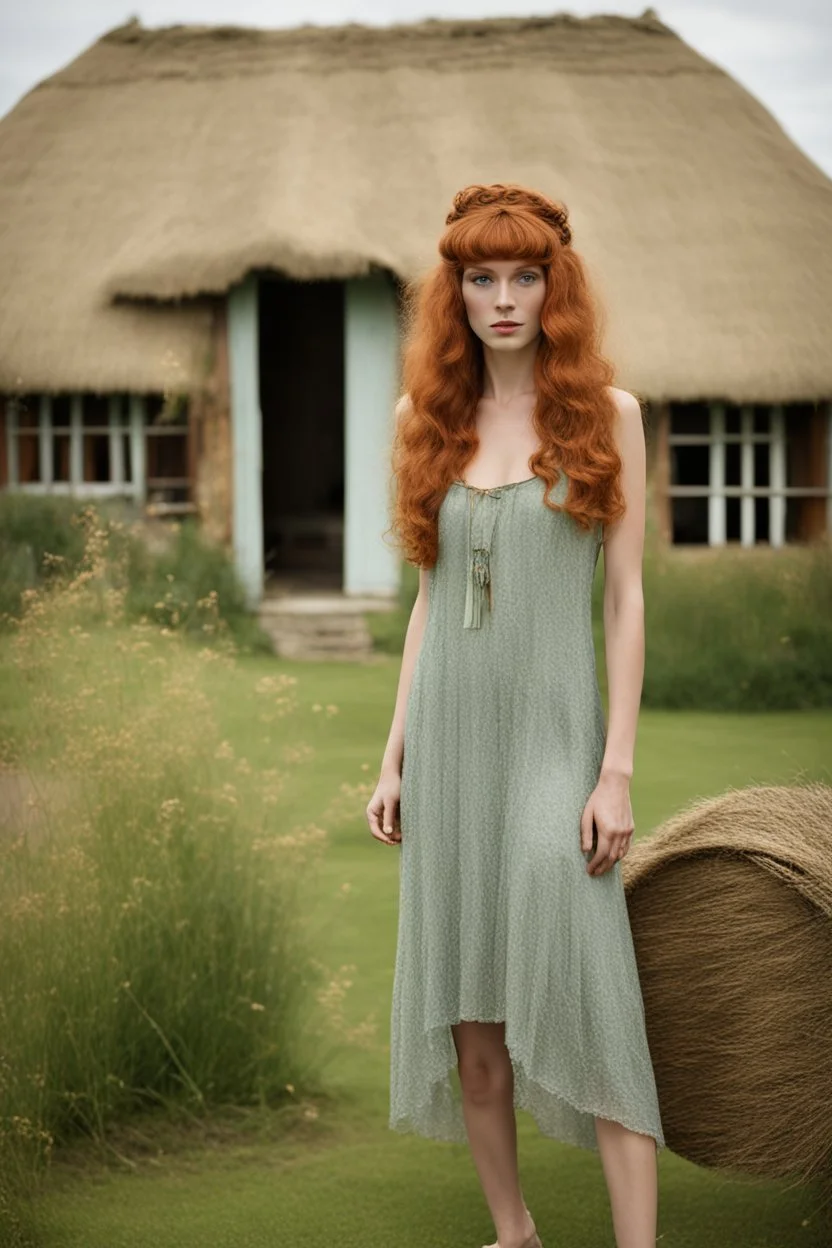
164,164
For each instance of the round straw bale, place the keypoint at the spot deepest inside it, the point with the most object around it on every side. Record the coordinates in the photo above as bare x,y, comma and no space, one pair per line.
730,904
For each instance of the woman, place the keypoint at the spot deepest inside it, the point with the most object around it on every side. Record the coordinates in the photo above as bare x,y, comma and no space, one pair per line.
515,459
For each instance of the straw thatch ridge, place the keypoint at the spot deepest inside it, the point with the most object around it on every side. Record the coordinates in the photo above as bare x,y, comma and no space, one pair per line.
790,835
461,45
163,165
730,904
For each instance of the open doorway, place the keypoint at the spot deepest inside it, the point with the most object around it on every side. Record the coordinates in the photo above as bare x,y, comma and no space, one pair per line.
301,341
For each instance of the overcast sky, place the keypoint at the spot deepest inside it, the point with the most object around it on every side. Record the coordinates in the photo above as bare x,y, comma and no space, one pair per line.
780,51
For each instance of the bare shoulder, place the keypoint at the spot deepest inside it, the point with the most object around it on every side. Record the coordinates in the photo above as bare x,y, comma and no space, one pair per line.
629,425
628,406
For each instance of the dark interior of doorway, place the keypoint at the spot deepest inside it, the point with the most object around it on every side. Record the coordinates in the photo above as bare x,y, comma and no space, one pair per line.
302,403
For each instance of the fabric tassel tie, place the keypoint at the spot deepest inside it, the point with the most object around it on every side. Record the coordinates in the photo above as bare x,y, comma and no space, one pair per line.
479,587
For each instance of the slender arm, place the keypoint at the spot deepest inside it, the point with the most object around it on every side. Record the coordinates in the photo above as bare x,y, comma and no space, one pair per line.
394,750
624,595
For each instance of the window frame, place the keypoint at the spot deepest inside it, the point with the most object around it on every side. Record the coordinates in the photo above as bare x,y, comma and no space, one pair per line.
717,492
127,417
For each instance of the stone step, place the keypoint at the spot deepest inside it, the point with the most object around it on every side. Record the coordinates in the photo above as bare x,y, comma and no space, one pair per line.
324,604
314,641
312,629
315,625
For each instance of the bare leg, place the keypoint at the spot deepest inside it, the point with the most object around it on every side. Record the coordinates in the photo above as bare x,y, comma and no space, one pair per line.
628,1159
487,1083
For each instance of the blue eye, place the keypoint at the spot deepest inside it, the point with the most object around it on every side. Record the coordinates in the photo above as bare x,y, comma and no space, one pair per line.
485,278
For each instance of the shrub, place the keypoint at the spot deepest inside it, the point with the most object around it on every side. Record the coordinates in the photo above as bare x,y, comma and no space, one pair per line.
42,537
739,630
167,587
724,629
31,528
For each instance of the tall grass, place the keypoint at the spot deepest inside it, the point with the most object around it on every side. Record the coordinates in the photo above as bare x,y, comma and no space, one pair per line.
153,949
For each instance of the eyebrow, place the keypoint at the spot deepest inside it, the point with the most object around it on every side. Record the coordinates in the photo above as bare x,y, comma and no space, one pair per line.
531,264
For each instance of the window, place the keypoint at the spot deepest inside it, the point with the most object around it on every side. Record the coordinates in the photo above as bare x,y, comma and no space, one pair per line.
91,445
169,479
749,473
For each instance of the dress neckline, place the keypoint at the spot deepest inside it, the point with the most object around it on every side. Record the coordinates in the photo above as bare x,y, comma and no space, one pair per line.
483,489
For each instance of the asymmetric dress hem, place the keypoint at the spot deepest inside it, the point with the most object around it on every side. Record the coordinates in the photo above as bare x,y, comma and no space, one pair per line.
556,1113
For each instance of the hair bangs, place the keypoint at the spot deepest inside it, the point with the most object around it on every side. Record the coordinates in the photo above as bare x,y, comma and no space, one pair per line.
502,234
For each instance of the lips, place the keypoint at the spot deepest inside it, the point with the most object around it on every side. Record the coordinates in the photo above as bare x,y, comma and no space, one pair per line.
503,324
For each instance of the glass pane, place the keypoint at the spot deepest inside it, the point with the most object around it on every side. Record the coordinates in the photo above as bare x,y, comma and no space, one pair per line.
690,465
761,519
60,457
96,414
28,413
61,407
167,456
153,405
805,444
732,464
732,418
167,411
732,519
761,463
762,418
96,457
128,463
689,521
28,458
690,418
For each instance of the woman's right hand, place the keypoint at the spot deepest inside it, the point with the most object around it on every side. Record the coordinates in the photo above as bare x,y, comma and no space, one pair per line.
383,809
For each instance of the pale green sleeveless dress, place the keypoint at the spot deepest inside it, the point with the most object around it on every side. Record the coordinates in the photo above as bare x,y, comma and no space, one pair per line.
498,918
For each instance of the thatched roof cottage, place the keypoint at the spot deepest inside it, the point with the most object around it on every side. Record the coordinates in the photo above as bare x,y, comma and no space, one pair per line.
205,230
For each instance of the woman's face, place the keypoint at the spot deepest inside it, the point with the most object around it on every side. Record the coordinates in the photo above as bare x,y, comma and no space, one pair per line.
504,290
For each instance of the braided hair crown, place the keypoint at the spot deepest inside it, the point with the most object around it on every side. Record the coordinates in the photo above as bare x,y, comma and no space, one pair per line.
500,194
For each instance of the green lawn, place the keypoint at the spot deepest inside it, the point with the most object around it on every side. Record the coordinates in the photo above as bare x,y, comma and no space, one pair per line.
341,1179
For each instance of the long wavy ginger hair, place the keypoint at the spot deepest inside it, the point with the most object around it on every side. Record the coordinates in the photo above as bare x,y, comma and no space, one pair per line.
435,435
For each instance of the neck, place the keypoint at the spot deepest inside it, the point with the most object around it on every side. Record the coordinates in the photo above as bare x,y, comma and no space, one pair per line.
508,374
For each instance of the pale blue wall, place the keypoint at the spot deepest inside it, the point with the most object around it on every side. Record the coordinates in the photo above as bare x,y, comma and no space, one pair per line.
371,390
246,437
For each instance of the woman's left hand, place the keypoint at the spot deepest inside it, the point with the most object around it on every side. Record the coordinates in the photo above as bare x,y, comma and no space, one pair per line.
609,806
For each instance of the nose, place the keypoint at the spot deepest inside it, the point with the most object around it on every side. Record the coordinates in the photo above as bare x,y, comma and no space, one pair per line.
504,301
